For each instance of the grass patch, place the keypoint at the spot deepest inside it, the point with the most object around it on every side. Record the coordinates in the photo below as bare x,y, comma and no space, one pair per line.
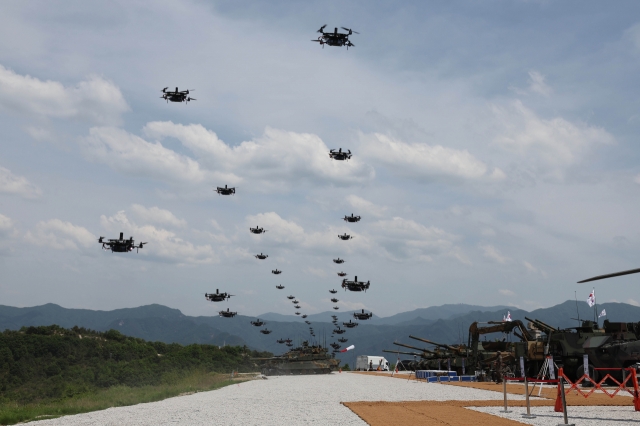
116,396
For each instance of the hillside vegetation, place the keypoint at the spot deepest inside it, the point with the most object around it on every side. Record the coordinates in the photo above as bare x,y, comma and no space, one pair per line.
51,363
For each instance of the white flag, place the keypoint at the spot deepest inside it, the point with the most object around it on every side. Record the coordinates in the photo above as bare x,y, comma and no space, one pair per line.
348,349
602,314
591,300
507,318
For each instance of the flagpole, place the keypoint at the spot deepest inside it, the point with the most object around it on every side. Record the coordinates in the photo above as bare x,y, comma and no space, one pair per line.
595,306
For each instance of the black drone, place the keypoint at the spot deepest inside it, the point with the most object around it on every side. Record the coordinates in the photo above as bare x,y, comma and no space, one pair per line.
280,287
362,315
258,323
226,190
334,345
297,306
297,313
335,317
333,291
289,344
334,300
339,330
120,245
295,301
217,296
265,331
304,316
342,274
350,324
227,314
339,155
338,261
345,237
335,38
336,308
308,322
261,256
281,341
176,96
291,297
355,285
352,218
257,230
276,272
343,340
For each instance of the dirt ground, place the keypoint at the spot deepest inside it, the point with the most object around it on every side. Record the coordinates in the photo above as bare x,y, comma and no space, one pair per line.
455,413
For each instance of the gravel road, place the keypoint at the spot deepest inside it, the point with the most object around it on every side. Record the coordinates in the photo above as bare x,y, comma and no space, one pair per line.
580,416
299,400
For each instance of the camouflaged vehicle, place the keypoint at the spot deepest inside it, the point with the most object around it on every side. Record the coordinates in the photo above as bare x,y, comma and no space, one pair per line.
304,359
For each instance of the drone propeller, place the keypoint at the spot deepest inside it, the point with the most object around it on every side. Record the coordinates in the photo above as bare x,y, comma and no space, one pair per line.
350,31
191,99
322,28
165,89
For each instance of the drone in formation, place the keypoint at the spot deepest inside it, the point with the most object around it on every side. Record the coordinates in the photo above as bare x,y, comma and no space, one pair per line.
257,230
261,256
307,322
339,330
352,218
177,95
334,300
295,301
355,285
362,315
338,261
265,331
345,237
217,296
335,38
350,324
291,297
333,291
120,245
258,323
227,314
339,154
276,272
297,313
280,287
343,340
336,307
226,190
304,316
297,306
342,274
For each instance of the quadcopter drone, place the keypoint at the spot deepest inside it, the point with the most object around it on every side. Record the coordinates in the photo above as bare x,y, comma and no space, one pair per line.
297,313
257,230
265,331
334,300
281,341
345,237
304,316
333,291
307,322
350,324
291,297
339,155
335,38
177,96
297,306
355,285
261,256
339,330
227,314
362,315
120,245
336,308
276,272
352,218
217,296
342,274
343,340
226,190
338,261
295,302
258,323
280,287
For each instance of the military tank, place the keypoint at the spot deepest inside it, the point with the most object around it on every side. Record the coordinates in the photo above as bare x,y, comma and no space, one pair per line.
305,359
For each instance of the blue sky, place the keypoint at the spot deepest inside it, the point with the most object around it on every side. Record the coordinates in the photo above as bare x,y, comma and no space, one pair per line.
495,154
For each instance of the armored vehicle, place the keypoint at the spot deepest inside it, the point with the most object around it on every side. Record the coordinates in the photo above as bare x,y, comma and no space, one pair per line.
304,359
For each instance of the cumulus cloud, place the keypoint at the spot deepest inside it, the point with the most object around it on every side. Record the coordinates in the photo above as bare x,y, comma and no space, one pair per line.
538,85
276,158
157,215
60,235
404,239
95,100
17,185
506,292
362,205
164,245
6,225
556,142
426,162
490,252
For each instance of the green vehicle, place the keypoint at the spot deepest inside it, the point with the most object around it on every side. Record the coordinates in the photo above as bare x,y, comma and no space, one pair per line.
304,359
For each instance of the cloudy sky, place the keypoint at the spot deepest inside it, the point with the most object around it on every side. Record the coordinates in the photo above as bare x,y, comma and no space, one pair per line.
496,156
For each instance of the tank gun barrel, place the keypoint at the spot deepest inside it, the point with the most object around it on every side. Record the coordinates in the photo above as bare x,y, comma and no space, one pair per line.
541,325
451,348
413,347
401,352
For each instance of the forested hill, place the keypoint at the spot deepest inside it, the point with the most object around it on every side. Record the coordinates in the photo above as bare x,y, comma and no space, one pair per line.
52,362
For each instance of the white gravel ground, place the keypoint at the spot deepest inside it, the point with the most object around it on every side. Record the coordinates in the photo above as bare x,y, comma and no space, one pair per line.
282,400
580,416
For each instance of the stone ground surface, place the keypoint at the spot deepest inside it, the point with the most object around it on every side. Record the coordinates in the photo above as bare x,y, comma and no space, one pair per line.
580,416
304,400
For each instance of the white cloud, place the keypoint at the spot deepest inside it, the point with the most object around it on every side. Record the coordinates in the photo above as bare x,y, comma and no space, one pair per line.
633,302
60,235
95,100
18,185
275,159
163,245
422,161
365,207
6,225
556,142
133,155
493,253
157,215
538,85
506,292
404,239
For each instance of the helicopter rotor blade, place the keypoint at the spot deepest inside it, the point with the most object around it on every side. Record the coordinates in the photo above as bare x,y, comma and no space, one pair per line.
615,274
